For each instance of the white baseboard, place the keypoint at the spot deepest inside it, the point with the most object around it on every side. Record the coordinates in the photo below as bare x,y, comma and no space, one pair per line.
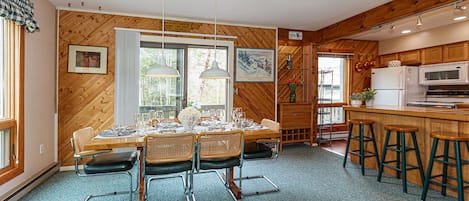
34,181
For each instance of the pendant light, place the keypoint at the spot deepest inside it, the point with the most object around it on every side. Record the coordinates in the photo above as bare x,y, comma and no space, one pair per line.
161,69
215,72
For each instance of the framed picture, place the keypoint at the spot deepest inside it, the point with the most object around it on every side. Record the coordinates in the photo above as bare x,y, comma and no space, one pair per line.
87,59
255,65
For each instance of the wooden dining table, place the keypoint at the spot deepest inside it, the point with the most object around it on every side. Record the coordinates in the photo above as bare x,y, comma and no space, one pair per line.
139,141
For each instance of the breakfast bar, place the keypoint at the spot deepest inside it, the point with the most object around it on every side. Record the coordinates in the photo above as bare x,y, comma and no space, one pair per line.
426,119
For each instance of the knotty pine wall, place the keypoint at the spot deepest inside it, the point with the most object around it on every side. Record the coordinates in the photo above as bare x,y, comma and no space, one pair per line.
88,99
363,51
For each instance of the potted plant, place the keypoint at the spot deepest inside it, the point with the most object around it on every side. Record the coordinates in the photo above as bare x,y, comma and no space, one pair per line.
356,99
369,96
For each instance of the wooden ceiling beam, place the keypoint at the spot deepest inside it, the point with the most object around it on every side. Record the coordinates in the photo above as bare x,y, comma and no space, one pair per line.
385,13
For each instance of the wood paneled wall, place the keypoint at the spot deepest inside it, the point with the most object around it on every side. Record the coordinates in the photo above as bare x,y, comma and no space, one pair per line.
88,99
363,51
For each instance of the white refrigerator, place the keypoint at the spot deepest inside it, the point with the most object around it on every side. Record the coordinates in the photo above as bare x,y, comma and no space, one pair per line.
396,86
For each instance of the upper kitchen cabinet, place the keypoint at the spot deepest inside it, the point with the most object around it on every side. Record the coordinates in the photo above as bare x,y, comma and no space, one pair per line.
384,59
455,52
410,57
432,55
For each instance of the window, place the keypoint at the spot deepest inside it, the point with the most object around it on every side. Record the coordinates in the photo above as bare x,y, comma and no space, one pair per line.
190,57
11,100
334,85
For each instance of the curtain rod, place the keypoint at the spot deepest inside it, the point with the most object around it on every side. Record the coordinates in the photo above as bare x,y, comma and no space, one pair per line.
175,33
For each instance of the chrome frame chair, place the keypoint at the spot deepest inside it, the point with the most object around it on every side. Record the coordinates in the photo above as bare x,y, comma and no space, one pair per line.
84,135
158,157
266,149
220,150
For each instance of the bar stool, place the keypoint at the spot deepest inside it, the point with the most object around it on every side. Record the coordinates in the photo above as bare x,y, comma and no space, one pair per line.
361,152
456,161
401,149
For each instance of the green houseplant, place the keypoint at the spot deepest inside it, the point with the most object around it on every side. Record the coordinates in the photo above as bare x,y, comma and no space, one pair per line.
368,96
356,99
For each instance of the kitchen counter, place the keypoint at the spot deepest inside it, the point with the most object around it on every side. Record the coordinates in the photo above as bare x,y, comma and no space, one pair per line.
460,114
426,119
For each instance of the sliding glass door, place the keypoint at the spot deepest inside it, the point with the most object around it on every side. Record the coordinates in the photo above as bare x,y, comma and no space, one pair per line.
171,95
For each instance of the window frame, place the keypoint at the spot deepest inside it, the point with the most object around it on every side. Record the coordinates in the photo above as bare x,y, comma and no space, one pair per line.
16,105
194,42
346,85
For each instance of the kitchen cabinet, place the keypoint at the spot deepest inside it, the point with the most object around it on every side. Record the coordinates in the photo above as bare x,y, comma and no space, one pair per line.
295,121
455,52
410,57
432,55
384,59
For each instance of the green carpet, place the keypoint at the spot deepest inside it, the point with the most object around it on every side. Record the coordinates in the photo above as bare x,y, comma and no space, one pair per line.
301,172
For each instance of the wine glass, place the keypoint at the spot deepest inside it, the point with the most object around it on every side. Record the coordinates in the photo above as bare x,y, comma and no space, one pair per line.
159,115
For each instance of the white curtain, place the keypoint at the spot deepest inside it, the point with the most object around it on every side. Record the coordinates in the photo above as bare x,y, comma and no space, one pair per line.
126,94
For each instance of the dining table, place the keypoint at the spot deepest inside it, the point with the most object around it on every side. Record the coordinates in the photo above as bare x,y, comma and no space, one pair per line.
138,141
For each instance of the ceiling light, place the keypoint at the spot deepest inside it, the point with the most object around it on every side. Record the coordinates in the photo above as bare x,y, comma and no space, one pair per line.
161,69
419,21
406,31
459,18
459,7
215,72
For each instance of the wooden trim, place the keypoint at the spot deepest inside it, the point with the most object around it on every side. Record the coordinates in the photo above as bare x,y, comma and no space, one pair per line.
385,13
20,112
17,132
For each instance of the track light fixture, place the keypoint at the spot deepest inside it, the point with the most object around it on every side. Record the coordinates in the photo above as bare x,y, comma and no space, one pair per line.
419,21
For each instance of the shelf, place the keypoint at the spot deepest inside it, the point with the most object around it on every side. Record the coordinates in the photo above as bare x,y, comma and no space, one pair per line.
323,113
286,69
325,71
324,99
325,126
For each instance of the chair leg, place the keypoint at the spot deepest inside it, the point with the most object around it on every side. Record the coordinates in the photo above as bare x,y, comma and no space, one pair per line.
383,157
348,144
116,192
374,144
417,155
429,170
457,152
444,179
398,155
404,162
362,149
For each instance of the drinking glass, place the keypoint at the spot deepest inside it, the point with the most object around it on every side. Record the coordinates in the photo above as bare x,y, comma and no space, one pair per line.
159,115
221,114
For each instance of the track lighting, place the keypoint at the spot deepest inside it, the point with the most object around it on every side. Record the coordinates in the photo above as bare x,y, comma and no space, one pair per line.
419,21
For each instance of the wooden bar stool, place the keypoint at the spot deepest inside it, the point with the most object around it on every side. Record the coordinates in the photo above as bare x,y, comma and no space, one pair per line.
401,149
445,160
361,152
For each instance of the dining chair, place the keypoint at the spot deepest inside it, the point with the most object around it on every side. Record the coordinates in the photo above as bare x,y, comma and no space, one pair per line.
262,149
167,154
103,162
220,150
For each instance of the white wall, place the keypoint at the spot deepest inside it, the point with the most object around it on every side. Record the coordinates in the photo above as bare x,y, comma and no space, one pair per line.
39,104
442,35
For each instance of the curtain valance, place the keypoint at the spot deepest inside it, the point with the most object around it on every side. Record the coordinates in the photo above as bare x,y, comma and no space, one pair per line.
20,12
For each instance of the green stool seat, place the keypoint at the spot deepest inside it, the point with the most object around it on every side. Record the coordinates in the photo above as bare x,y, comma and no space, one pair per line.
446,160
361,152
401,149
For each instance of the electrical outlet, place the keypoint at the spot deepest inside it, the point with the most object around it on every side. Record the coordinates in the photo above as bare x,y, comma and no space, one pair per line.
41,148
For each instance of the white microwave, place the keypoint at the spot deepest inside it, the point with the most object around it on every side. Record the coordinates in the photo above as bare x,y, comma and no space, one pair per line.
455,73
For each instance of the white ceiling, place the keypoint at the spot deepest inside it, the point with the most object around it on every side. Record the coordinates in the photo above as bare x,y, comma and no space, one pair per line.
430,20
291,14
